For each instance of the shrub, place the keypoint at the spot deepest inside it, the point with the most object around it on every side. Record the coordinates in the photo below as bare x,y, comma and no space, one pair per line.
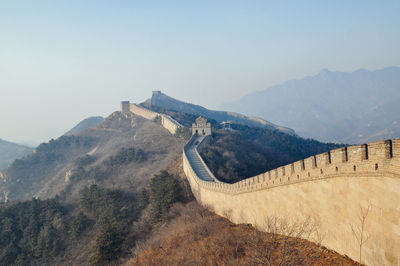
164,191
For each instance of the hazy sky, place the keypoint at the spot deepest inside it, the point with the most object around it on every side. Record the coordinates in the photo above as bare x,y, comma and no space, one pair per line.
62,61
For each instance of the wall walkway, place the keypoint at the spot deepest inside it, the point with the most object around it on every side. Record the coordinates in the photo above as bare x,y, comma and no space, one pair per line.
198,165
332,189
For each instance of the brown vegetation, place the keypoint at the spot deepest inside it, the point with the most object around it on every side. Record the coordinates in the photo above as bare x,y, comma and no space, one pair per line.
196,236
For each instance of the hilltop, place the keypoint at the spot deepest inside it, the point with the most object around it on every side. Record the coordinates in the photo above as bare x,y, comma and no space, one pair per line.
48,170
347,107
162,100
93,121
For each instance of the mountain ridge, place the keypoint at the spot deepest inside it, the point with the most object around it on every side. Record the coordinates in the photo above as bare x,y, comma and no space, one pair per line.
89,122
162,100
9,151
332,105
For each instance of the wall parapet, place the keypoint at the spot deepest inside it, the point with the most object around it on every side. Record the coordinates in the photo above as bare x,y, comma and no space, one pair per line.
376,158
332,188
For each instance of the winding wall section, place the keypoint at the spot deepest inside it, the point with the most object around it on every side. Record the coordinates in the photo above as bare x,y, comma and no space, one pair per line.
329,188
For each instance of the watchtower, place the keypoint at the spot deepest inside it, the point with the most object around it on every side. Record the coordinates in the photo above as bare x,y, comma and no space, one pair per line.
201,127
125,107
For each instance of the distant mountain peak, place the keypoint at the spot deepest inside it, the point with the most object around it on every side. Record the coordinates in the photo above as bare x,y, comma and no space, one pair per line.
344,101
10,151
325,70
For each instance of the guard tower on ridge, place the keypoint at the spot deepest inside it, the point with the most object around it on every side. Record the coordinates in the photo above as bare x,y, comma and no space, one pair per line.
201,127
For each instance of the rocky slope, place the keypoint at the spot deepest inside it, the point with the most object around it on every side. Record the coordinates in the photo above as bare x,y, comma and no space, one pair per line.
47,172
10,151
196,236
356,107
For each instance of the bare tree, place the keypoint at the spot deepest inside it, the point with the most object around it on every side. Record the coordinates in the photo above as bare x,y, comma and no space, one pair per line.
359,230
282,239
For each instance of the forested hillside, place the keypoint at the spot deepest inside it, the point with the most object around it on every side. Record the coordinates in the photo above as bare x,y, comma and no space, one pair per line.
107,195
100,191
121,152
104,224
244,151
249,151
25,176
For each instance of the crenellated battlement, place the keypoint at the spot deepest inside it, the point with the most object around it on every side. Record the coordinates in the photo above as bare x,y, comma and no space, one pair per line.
367,159
332,188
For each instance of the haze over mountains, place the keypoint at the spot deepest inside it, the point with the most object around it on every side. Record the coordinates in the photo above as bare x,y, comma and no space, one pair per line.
161,100
50,169
105,194
108,188
10,151
89,122
355,107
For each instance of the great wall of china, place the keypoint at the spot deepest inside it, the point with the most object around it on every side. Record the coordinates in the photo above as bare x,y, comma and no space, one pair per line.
332,189
166,121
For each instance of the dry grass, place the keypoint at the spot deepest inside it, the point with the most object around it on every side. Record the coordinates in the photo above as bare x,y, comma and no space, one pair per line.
195,236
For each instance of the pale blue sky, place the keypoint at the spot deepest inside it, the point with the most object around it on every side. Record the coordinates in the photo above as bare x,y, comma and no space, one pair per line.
62,61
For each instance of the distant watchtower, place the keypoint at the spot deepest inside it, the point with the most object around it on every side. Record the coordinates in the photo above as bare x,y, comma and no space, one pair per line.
125,107
201,127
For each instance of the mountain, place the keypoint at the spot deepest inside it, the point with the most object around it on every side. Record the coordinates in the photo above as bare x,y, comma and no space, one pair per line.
118,190
90,122
56,167
10,151
347,107
161,100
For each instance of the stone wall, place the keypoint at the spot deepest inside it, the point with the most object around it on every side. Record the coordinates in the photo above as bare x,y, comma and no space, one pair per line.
146,113
169,123
166,121
332,189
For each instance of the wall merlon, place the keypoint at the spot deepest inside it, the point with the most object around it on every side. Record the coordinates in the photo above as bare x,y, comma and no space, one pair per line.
309,163
379,150
396,148
322,160
356,153
281,172
338,156
298,167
